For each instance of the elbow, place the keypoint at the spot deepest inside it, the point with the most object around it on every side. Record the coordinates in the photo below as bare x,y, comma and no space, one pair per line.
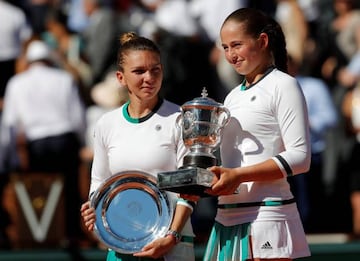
303,165
300,162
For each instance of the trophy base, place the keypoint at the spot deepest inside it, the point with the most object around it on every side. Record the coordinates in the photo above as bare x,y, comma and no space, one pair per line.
192,181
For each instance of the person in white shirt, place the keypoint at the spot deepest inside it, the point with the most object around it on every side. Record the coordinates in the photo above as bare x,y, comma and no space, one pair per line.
42,105
142,135
14,31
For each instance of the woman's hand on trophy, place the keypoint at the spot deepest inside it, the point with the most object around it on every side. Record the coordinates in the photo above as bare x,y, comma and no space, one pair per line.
157,248
225,182
88,215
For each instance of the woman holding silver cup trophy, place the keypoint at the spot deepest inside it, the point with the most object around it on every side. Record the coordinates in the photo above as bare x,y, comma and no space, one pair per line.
265,142
131,145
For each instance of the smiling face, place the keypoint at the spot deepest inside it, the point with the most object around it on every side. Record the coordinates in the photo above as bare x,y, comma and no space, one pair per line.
248,55
142,74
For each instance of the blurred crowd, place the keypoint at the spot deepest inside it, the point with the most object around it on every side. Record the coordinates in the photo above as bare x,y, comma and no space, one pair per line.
47,111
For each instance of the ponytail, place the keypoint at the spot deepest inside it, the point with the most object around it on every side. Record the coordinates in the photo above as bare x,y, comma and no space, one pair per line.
277,44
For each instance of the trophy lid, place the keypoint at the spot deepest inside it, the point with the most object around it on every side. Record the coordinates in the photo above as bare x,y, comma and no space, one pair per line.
203,101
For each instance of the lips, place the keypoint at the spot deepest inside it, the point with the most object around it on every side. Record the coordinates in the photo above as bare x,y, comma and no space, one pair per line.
238,63
148,88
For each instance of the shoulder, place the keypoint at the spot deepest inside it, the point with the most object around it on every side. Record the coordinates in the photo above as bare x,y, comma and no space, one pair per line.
281,83
58,76
281,78
282,88
46,71
232,94
17,79
58,71
110,116
11,9
107,123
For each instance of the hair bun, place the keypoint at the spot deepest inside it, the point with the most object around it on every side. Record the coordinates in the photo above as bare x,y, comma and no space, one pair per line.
126,37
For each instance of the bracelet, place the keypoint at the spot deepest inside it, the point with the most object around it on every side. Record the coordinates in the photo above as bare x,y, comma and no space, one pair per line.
174,234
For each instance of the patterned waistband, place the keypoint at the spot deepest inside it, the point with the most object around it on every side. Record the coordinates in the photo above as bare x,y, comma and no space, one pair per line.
256,204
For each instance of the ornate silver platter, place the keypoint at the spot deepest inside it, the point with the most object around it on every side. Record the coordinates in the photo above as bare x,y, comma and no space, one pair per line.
131,211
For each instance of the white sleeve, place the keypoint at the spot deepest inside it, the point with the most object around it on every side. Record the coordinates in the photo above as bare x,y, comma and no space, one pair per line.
293,120
100,166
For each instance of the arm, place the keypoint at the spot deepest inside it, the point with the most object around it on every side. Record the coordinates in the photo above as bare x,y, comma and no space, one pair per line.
99,172
227,180
100,165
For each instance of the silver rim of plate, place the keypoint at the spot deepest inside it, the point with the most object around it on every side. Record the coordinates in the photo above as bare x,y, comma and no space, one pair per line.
131,211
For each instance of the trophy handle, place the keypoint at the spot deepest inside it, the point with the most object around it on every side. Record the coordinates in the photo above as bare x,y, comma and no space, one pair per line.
178,121
226,118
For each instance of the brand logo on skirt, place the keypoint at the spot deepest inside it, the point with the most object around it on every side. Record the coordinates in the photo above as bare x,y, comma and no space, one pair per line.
266,245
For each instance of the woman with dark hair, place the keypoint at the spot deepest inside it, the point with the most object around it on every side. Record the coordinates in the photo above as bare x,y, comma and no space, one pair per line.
265,142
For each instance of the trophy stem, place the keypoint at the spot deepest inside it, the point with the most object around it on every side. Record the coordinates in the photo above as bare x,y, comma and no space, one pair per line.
200,161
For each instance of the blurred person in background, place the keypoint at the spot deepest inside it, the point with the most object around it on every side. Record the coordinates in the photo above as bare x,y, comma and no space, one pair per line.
37,10
77,19
172,26
309,189
341,42
68,47
99,39
339,45
209,15
294,25
43,112
14,31
349,77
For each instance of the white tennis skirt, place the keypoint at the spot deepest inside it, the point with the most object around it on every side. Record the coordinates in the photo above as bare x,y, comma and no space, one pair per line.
258,239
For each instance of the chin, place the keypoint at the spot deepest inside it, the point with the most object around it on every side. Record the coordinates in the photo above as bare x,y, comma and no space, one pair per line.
240,71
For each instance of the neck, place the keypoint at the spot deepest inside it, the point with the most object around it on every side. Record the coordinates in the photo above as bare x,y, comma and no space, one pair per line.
257,74
139,109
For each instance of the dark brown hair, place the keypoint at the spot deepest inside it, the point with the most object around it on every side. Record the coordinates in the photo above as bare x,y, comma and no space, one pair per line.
132,42
257,22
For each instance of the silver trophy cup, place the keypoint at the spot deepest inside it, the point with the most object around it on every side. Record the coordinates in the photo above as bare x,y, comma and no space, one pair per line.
201,121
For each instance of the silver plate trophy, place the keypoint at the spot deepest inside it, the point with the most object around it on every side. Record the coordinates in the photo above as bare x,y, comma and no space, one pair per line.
131,211
201,121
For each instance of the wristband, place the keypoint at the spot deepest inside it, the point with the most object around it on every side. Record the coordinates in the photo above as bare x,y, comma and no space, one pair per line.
174,234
